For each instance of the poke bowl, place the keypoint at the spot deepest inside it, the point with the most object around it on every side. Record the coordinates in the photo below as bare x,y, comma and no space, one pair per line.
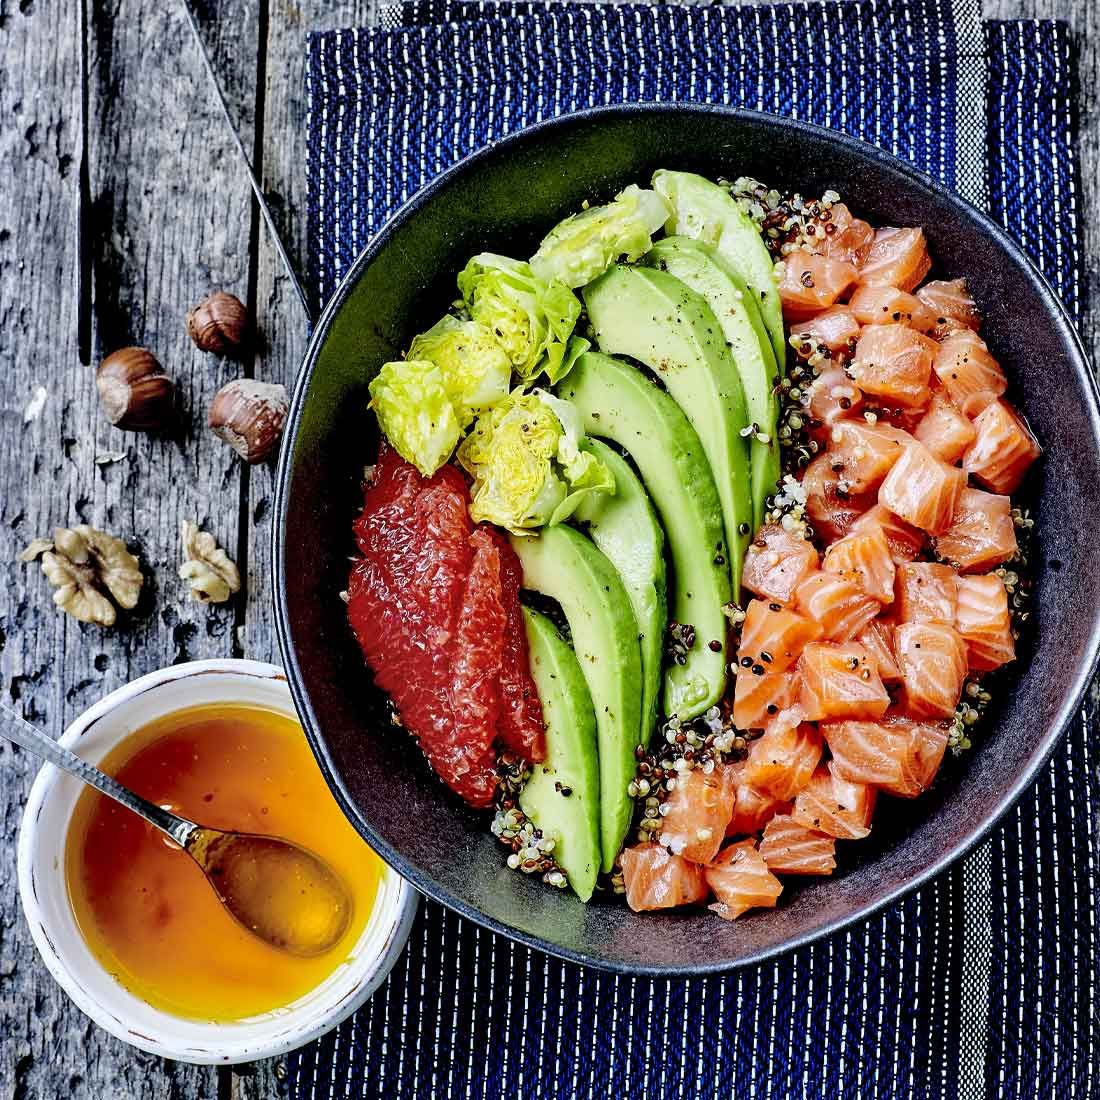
509,200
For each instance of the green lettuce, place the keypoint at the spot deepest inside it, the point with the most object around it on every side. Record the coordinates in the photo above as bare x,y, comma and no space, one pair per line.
531,318
582,247
415,412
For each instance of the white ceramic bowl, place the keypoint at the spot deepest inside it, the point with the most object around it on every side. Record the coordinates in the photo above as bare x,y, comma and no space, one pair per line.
53,926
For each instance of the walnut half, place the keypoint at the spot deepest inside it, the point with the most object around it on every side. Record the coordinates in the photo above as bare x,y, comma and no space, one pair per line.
86,566
207,568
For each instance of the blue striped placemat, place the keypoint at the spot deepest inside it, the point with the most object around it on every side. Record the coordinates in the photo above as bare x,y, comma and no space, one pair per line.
983,983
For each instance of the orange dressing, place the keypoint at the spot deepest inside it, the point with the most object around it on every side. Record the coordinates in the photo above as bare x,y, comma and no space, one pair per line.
145,908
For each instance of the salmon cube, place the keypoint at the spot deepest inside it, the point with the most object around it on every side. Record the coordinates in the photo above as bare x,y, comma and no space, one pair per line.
757,699
842,235
833,395
753,808
951,304
970,375
789,848
838,604
808,283
895,364
697,813
656,879
1004,449
983,620
863,454
864,559
772,636
926,593
740,880
840,681
776,563
782,760
905,540
835,806
886,305
981,535
898,258
923,745
933,662
866,752
830,503
834,328
922,489
878,640
944,430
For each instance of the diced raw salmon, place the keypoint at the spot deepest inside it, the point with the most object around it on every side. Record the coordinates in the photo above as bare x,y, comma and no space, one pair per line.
656,879
971,376
835,806
849,238
838,604
757,699
1004,449
789,848
981,535
865,560
776,563
983,620
830,504
782,760
926,593
898,258
834,327
863,453
878,640
894,363
950,303
944,430
773,636
923,746
808,283
922,489
886,305
697,813
740,880
905,540
753,807
866,752
840,681
833,395
932,659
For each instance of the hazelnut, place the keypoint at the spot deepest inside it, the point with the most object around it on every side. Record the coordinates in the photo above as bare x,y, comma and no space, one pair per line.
249,416
218,323
134,391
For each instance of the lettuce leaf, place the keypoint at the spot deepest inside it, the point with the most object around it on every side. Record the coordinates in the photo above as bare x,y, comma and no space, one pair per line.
414,410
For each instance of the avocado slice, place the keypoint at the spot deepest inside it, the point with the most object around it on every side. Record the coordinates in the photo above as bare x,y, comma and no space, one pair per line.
703,210
700,267
657,320
562,564
562,796
626,529
620,403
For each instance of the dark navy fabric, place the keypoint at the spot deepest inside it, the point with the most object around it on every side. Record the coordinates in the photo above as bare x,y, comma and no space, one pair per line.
914,1002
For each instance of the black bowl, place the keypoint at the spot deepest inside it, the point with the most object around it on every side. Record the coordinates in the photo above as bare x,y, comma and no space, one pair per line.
503,199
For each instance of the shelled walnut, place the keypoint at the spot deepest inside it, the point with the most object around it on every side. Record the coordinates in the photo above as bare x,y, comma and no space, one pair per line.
207,567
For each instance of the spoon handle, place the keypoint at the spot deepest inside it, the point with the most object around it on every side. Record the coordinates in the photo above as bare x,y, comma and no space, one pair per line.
14,727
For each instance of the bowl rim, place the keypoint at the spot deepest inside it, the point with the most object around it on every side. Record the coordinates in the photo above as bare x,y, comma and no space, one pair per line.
282,1034
848,145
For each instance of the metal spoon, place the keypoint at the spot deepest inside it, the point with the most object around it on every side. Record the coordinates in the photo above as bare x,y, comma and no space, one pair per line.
279,891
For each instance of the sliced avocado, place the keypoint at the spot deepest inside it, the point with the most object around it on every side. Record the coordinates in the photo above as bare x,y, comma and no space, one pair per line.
562,564
654,318
626,529
703,210
562,797
619,403
700,267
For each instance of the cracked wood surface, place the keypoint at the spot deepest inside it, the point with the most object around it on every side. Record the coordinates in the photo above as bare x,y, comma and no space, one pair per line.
171,219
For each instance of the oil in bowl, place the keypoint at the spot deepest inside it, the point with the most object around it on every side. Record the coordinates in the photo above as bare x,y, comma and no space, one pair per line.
145,908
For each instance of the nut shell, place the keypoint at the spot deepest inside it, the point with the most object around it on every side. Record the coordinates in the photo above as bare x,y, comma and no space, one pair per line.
135,393
250,417
218,323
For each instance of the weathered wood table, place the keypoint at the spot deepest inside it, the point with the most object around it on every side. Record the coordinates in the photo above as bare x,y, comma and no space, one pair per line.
172,219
